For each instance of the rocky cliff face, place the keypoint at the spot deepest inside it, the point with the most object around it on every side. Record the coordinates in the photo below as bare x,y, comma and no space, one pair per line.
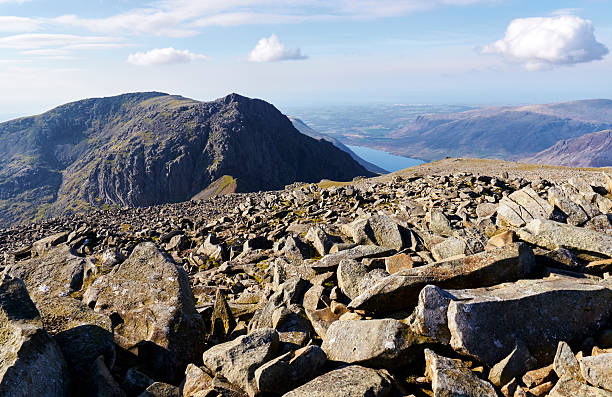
590,150
151,148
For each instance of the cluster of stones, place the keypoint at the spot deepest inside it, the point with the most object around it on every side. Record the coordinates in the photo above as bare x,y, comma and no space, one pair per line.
451,285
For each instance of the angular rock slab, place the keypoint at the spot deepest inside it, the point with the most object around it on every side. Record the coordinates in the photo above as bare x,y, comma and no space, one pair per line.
486,322
597,370
237,360
149,299
31,363
351,381
450,378
521,207
331,261
570,387
377,343
555,235
401,290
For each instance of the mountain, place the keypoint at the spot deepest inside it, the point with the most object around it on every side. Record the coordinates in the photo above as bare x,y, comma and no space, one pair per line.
142,149
590,150
501,132
307,130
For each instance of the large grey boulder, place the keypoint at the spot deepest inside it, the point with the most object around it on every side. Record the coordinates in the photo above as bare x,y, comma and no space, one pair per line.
377,343
237,360
31,363
290,370
486,322
321,241
386,232
451,378
150,302
351,381
570,387
555,235
400,290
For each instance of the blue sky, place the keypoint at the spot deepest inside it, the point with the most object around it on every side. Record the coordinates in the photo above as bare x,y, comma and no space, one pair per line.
304,52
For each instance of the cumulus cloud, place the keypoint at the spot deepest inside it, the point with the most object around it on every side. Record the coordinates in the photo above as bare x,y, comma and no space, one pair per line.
543,43
270,49
163,56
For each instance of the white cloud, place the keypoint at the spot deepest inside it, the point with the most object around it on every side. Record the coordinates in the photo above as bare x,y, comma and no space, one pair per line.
14,1
18,24
163,56
543,43
270,49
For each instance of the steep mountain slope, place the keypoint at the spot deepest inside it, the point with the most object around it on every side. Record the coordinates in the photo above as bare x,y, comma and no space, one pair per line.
307,130
150,148
590,150
502,132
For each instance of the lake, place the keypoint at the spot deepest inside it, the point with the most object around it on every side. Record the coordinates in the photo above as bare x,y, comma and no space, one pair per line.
385,160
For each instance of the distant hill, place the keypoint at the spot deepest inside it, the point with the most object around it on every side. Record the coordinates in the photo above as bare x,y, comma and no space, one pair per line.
150,148
498,132
307,130
590,150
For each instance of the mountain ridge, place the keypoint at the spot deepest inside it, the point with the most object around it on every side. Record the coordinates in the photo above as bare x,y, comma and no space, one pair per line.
148,148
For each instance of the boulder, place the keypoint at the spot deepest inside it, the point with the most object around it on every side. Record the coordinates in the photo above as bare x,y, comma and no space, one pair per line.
521,207
439,223
512,366
290,292
452,378
400,290
197,382
290,370
575,213
222,320
451,247
386,232
570,387
150,303
237,360
486,322
31,363
597,370
555,235
395,263
351,381
384,343
41,246
100,382
331,261
349,274
160,389
321,241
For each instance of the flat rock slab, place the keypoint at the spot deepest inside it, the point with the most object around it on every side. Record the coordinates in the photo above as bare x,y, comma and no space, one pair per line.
376,343
522,207
451,378
401,290
486,322
597,370
330,262
31,363
555,235
351,381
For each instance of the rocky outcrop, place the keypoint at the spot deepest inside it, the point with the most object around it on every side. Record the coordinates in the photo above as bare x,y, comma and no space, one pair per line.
589,150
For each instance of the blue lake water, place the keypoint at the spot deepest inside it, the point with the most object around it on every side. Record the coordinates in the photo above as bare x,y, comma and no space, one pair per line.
385,160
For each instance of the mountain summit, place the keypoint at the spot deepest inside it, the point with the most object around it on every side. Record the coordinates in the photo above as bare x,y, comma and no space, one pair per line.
149,148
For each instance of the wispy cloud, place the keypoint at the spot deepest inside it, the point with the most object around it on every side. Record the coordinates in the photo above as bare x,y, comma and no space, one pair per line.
18,24
163,56
14,1
182,18
32,41
543,43
270,49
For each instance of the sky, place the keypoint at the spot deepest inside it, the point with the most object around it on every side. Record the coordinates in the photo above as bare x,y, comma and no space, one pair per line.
305,52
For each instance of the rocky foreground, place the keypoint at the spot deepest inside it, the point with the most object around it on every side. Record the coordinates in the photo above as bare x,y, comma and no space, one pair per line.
437,285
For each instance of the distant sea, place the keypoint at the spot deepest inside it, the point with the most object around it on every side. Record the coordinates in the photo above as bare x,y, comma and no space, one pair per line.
389,162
